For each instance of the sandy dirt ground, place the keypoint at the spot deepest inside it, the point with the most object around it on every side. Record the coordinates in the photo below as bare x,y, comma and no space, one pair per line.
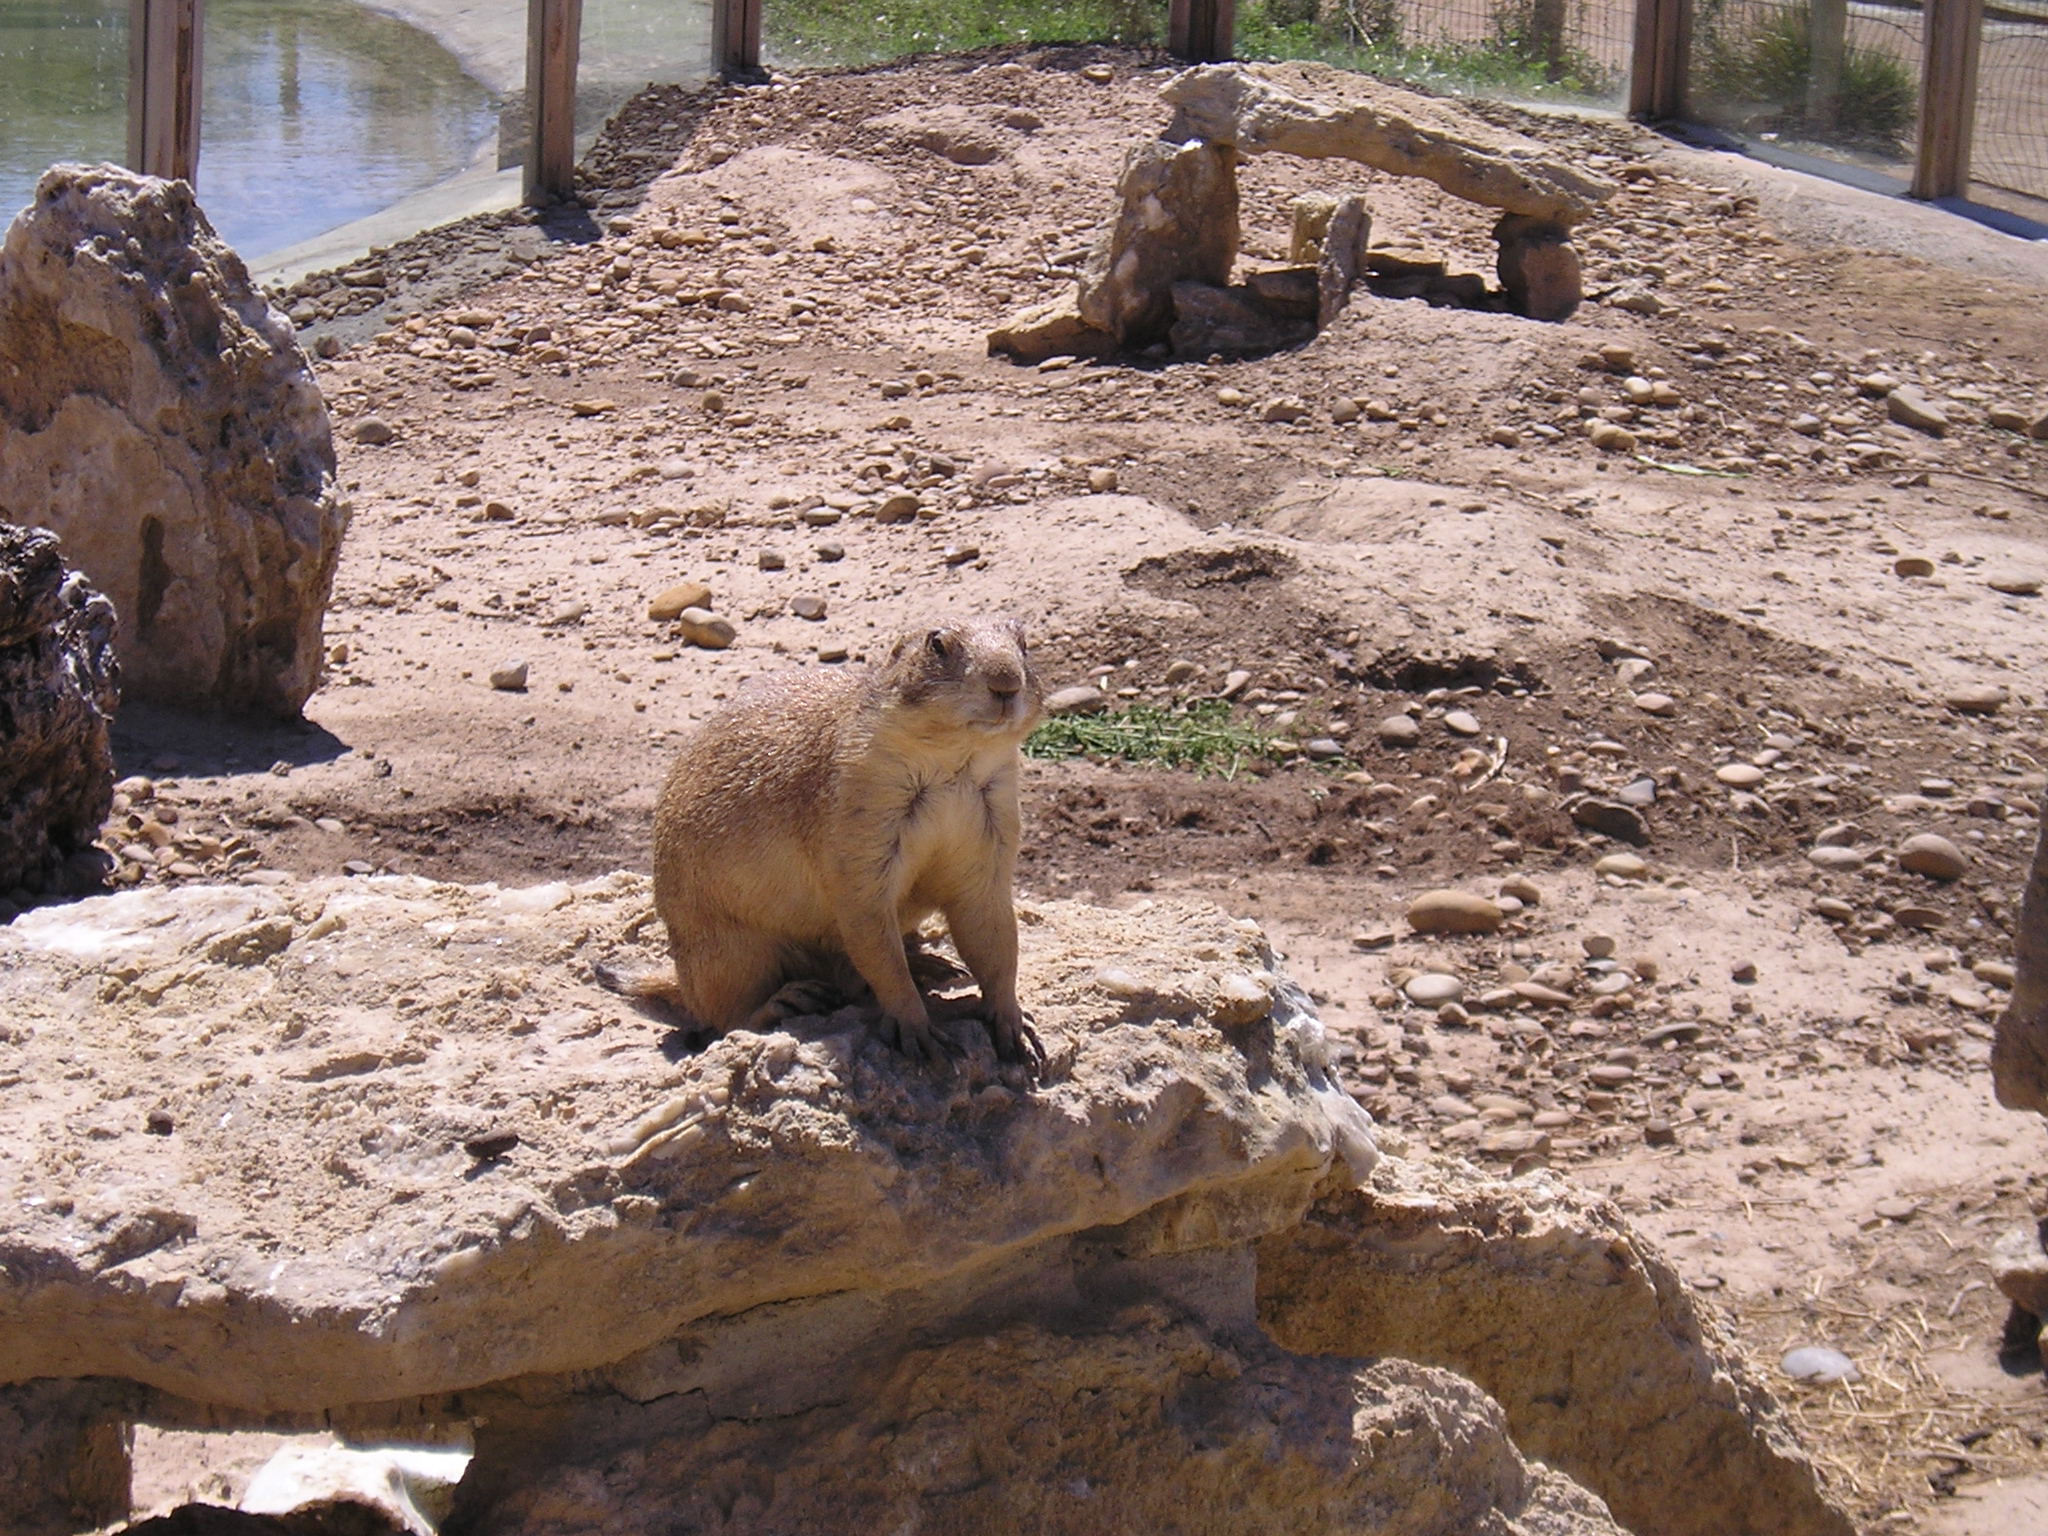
1752,1025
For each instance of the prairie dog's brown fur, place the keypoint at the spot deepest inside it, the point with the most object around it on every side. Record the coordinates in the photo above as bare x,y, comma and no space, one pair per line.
820,817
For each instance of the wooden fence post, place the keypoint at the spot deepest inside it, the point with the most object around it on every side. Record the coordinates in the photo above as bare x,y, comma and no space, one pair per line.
1948,98
1201,31
554,33
165,40
1657,75
1827,30
736,36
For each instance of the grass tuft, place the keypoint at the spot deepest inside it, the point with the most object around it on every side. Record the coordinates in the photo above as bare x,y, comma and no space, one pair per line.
1204,735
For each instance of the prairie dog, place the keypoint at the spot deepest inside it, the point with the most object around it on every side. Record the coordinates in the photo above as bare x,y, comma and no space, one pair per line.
820,817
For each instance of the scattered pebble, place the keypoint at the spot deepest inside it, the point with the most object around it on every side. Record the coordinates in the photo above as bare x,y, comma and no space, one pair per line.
1461,722
1399,731
1977,699
1931,854
701,627
903,507
1453,911
1433,989
1081,699
1624,866
1611,818
811,608
670,604
1910,408
1819,1366
510,678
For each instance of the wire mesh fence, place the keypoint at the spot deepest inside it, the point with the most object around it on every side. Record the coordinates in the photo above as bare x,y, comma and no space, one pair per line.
2009,149
1838,81
315,113
629,44
1570,50
64,72
796,33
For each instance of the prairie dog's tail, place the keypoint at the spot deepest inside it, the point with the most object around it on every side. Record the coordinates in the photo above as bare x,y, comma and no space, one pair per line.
657,985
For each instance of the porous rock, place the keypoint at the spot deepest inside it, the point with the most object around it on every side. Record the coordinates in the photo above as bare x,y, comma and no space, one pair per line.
1322,113
2019,1049
1177,221
795,1282
337,1238
58,690
1605,1366
1141,1421
158,415
2019,1268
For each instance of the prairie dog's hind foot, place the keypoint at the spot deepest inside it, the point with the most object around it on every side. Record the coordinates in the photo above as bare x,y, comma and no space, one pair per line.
807,997
1014,1041
928,968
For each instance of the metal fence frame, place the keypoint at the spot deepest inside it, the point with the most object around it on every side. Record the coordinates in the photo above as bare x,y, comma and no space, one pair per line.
165,65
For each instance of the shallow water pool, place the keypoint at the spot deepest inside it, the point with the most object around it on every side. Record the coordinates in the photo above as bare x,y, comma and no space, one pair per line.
315,112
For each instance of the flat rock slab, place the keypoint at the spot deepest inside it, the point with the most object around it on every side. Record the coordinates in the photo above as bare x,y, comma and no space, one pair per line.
1322,113
351,1140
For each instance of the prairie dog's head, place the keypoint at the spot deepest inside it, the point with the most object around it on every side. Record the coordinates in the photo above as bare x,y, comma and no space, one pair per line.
975,675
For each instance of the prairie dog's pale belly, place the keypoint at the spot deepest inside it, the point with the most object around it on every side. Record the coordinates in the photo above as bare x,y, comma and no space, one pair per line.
949,833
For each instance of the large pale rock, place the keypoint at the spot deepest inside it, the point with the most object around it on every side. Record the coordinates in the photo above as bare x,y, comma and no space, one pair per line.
1131,1421
377,1152
157,414
58,691
325,1051
1177,221
2019,1050
1321,113
1606,1367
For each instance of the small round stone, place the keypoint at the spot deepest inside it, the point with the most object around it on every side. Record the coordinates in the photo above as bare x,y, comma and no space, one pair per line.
1081,699
1399,731
1461,722
1626,866
1976,699
1818,1365
1739,775
1453,911
1930,854
1433,989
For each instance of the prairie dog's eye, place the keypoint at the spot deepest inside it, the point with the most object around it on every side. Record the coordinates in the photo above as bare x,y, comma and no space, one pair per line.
937,641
